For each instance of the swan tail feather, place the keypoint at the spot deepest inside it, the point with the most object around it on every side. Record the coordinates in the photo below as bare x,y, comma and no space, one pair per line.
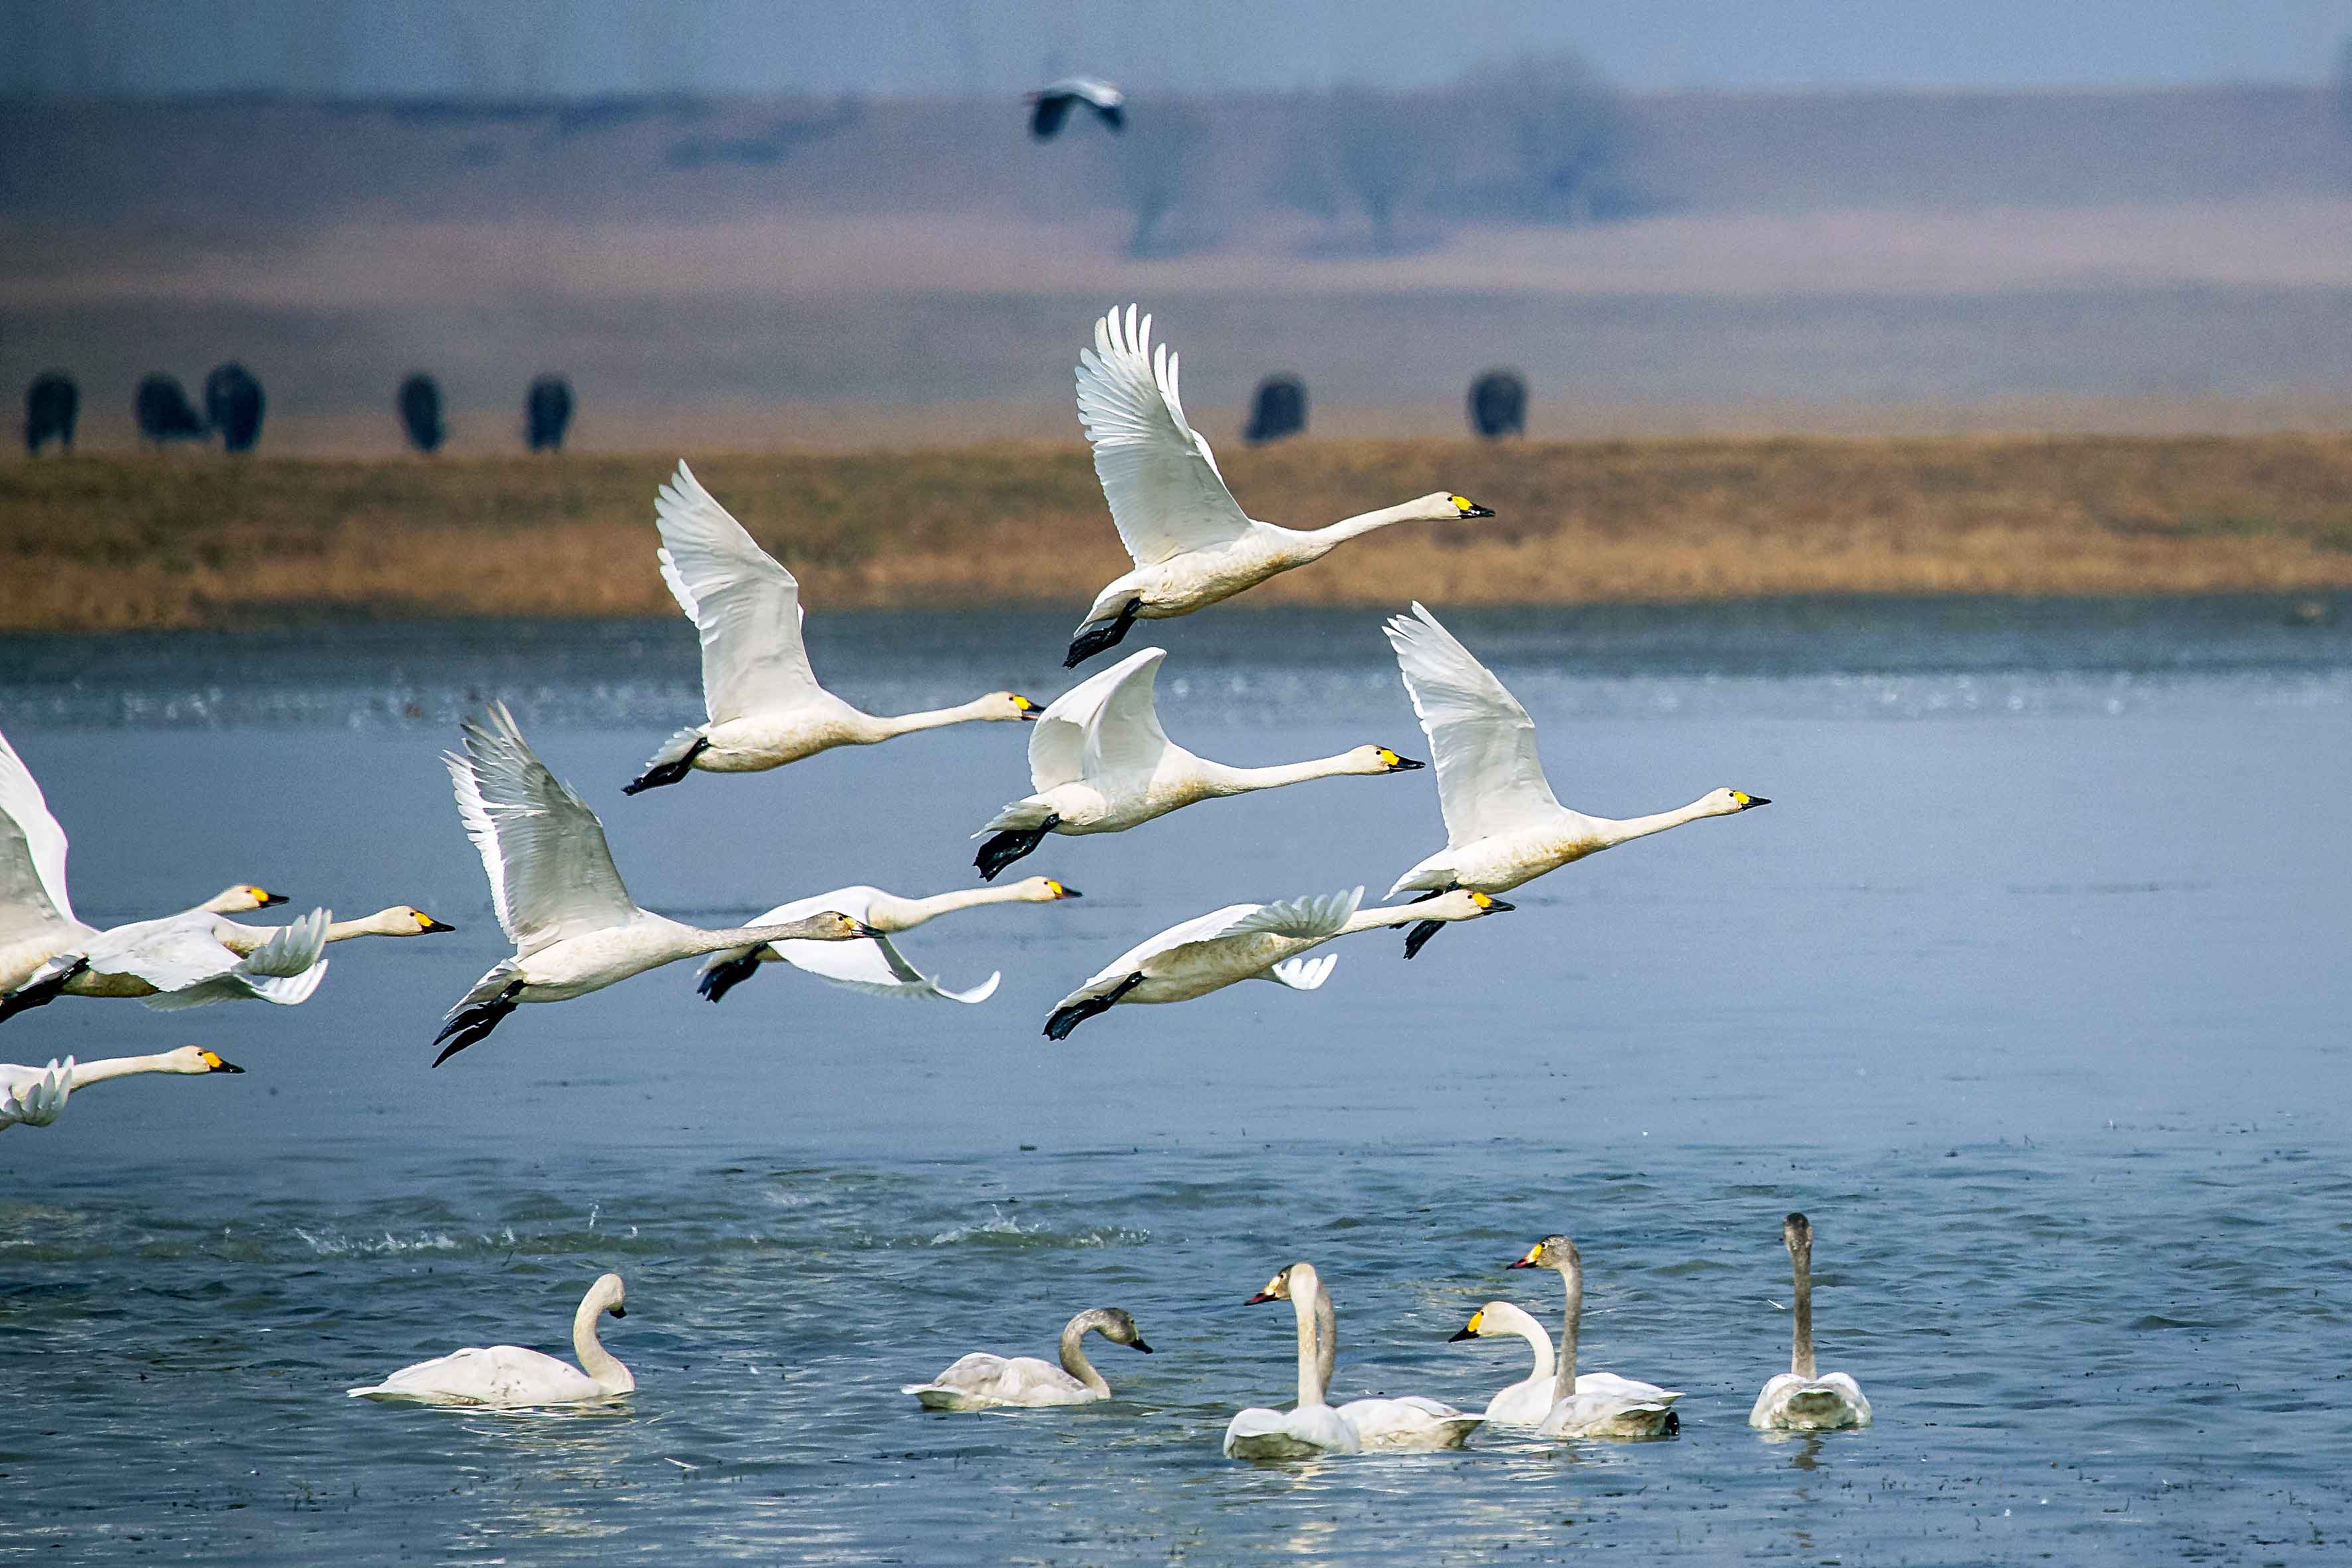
1021,815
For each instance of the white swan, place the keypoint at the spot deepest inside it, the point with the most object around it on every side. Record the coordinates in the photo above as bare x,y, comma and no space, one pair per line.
508,1376
875,967
1503,826
33,1096
1411,1423
183,961
1191,543
1798,1400
397,920
1246,941
1594,1404
37,918
1052,103
558,895
1100,763
984,1382
766,708
1526,1402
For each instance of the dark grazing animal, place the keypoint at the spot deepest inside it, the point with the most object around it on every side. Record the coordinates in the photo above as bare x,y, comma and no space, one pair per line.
164,413
51,404
547,414
1498,405
232,404
1279,409
420,413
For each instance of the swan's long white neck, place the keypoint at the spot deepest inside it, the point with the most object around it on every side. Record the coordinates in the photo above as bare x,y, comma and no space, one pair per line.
889,913
1074,1354
1801,1349
1306,1300
1392,915
1503,1315
1571,1274
698,940
87,1073
884,727
1347,528
594,1360
1223,780
1617,831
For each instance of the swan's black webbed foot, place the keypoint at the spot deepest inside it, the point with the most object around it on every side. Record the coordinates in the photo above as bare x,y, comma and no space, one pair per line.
668,773
1418,936
471,1025
725,975
1010,846
1097,635
40,992
1071,1014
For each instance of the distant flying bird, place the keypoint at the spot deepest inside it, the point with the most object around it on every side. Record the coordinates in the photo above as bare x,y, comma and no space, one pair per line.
1191,543
1054,101
875,966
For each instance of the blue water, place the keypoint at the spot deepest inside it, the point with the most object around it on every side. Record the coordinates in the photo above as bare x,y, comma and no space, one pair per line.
2030,988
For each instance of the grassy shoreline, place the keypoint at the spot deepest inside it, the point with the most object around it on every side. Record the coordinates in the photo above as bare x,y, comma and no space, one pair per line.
175,540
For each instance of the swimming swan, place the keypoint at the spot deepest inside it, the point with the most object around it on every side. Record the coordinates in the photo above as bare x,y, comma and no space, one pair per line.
36,919
984,1382
33,1096
1503,826
1100,763
182,960
1595,1403
766,708
1191,543
1797,1399
558,895
875,967
1526,1402
1411,1423
508,1376
1246,941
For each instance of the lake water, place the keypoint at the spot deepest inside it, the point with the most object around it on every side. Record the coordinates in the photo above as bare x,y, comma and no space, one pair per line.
2032,988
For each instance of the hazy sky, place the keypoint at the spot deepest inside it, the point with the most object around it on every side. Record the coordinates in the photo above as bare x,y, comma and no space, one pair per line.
997,45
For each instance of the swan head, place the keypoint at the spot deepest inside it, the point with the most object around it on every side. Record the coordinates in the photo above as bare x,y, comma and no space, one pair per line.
1380,759
607,1295
1797,1234
404,920
1279,1287
196,1059
1461,904
1489,1319
1007,706
1042,890
1731,802
1114,1324
242,898
843,927
1552,1252
1446,507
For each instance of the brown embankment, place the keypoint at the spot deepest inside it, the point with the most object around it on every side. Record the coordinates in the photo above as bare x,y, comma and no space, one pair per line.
188,539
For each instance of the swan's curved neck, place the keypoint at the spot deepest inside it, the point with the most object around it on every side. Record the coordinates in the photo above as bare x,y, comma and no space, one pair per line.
86,1073
1528,1329
1223,780
1074,1354
889,913
1801,1349
1316,1341
1571,1274
884,727
1363,522
594,1360
1617,831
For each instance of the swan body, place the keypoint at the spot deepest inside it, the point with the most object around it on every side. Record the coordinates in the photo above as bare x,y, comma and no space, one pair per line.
1592,1403
558,895
984,1382
511,1377
766,708
1099,762
875,966
1191,543
1410,1423
1052,103
1503,825
1800,1399
1247,941
34,1097
182,960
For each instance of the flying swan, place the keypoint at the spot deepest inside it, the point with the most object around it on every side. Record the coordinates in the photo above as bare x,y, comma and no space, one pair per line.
1100,763
558,896
1052,103
1503,826
510,1377
1191,543
1594,1404
33,1096
1247,941
766,708
183,961
1798,1400
876,965
984,1382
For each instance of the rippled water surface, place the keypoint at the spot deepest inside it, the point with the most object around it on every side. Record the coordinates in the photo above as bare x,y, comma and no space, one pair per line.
2031,988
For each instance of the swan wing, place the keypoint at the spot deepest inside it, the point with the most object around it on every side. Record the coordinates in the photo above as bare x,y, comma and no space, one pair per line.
551,873
1201,928
1059,748
32,853
742,602
1124,740
1311,916
1490,778
34,1097
286,969
875,965
1411,1422
492,1374
1305,974
1157,472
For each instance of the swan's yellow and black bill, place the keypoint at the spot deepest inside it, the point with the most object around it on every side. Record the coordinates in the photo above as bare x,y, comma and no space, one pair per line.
1059,891
1140,1345
1487,905
1469,507
1748,802
1529,1260
619,1311
1029,711
1470,1329
263,899
425,923
1397,764
213,1064
1261,1295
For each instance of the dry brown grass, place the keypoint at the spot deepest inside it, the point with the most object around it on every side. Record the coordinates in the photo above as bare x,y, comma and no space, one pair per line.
184,538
